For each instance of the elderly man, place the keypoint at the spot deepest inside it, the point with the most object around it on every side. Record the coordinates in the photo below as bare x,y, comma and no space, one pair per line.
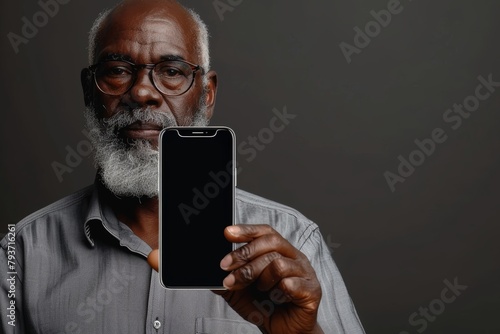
81,264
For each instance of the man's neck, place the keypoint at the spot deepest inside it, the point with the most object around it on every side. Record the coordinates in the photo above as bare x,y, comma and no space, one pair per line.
140,215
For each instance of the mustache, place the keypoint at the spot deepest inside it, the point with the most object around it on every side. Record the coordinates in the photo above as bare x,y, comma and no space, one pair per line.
125,117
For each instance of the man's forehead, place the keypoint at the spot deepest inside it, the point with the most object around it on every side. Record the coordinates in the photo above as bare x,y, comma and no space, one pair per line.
147,24
141,18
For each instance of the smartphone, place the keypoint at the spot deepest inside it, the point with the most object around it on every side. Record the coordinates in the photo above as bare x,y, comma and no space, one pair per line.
197,181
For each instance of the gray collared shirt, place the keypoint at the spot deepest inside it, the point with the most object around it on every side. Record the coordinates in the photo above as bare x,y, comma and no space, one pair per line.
74,268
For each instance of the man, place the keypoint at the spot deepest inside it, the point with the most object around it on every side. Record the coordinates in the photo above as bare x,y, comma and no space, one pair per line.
81,263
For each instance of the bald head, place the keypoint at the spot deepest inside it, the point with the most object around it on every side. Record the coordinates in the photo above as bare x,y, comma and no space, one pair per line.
132,13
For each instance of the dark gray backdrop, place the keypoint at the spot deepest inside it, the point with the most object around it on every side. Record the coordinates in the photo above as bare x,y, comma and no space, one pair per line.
353,120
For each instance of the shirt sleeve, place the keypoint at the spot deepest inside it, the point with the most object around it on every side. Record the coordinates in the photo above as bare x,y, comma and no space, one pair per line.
336,314
11,317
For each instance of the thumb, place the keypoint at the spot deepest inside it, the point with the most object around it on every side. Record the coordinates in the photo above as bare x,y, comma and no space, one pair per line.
153,259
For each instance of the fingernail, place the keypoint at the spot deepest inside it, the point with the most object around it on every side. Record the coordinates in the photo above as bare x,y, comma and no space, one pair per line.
229,281
226,262
234,230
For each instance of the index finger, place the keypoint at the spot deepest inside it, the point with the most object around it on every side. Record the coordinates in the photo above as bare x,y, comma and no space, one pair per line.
247,233
261,239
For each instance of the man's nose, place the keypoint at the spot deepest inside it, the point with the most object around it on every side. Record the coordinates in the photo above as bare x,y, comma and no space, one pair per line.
144,92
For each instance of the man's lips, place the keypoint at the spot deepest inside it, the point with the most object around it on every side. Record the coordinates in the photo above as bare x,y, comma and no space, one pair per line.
141,130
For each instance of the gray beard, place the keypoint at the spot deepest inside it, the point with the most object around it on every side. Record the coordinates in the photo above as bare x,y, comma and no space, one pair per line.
130,168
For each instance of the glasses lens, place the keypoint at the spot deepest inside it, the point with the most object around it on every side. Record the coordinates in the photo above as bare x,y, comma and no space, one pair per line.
173,77
114,77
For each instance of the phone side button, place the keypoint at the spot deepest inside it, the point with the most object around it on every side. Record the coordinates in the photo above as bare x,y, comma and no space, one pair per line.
235,177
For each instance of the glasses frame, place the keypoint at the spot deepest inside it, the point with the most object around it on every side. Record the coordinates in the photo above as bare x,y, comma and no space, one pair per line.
136,67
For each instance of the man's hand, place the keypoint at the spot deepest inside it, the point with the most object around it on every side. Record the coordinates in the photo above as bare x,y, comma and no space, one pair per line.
271,284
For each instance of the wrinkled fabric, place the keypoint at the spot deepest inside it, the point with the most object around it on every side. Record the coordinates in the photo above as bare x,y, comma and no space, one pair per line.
79,270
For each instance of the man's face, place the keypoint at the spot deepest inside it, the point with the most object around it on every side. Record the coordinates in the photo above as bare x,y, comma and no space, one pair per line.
125,128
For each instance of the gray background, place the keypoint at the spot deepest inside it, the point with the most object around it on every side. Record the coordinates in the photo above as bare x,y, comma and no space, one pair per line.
394,249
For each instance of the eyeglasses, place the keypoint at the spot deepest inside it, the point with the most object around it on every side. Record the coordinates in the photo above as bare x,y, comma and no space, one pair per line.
171,77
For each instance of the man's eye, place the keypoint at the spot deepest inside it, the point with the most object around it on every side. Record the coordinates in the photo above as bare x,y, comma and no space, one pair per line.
170,72
117,71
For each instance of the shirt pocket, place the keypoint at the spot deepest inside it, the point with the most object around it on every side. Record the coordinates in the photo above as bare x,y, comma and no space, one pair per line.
224,326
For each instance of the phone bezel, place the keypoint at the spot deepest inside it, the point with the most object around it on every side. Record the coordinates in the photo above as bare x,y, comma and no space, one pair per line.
233,190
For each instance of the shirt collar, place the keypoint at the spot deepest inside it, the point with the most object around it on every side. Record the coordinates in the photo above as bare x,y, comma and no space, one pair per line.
93,213
100,212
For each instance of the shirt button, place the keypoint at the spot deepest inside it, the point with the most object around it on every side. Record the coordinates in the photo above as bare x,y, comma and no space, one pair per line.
157,324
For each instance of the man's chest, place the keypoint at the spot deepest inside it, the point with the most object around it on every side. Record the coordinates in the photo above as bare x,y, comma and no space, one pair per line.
116,292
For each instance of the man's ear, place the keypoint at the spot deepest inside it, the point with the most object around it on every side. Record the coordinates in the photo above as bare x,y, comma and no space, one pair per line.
87,86
211,92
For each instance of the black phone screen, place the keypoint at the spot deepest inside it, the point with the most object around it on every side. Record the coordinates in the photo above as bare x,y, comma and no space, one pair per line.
196,204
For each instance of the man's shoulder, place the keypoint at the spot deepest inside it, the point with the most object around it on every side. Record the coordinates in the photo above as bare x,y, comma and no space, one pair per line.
255,209
68,205
248,199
